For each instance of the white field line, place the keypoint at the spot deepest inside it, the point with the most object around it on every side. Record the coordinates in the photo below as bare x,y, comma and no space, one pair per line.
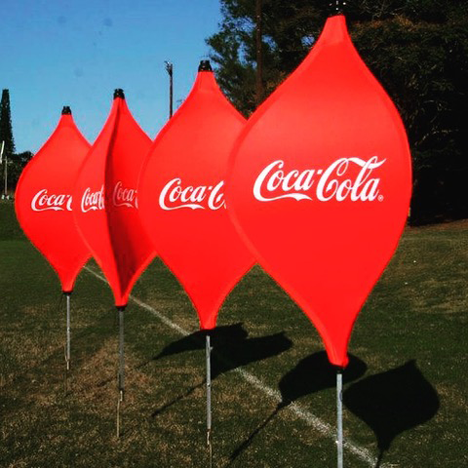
304,414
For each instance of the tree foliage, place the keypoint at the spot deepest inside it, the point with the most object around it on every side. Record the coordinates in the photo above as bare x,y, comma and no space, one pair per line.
6,131
417,49
16,162
16,166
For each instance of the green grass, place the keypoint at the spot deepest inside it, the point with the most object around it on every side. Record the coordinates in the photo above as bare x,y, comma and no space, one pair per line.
405,390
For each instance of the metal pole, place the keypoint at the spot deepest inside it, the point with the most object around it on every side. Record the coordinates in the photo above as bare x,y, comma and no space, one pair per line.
170,71
6,175
121,373
171,93
339,407
121,353
208,397
67,354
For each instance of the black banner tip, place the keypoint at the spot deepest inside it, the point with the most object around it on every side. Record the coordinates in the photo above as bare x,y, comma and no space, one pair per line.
119,93
205,65
337,7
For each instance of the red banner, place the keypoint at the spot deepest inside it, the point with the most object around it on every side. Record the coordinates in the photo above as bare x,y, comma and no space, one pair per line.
182,197
107,211
44,203
320,184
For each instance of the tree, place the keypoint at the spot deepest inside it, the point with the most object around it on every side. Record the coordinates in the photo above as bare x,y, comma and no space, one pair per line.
16,166
16,162
425,71
417,49
6,131
286,30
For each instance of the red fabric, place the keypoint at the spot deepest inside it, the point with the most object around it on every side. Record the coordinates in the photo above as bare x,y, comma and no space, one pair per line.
44,203
325,236
182,198
107,216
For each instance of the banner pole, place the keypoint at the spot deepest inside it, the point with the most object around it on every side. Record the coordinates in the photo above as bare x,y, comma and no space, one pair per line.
208,398
67,353
339,408
121,371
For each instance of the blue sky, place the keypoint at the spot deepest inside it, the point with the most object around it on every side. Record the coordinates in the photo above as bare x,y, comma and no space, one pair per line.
70,52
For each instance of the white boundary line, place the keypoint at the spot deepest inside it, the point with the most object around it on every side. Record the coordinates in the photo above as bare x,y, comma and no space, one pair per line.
321,426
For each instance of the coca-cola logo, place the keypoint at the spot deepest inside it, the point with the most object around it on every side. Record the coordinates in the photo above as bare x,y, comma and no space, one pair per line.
92,201
43,201
334,182
124,196
175,196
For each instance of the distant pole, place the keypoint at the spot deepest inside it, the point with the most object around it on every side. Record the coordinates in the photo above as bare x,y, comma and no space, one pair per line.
258,41
6,175
1,160
170,71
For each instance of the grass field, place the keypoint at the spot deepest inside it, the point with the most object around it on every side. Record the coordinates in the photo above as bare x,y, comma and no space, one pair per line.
405,390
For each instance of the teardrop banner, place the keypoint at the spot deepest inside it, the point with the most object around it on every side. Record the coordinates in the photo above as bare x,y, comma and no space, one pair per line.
319,185
182,199
107,215
44,205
